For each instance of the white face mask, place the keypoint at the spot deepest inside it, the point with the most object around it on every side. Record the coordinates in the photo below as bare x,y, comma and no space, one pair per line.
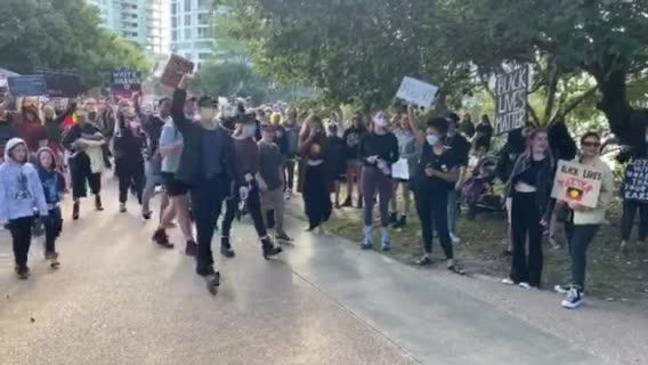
432,139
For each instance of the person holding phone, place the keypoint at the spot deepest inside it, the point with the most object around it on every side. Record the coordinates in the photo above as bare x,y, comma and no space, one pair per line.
436,175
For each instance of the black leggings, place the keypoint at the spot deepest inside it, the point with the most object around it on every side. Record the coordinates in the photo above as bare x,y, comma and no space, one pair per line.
81,174
21,235
525,220
253,205
53,226
317,200
432,208
630,208
289,173
130,174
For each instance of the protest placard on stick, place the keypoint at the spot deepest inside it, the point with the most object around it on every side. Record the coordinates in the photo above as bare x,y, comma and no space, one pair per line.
511,91
636,180
175,69
577,183
417,92
124,83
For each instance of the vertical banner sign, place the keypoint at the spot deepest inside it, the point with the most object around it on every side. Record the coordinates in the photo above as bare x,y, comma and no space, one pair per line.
124,82
417,92
636,180
174,70
577,183
511,90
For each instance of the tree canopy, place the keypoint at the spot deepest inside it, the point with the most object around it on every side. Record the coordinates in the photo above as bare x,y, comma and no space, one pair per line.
582,52
63,35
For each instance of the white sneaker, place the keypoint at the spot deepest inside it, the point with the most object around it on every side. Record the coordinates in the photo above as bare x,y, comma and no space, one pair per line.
562,289
573,300
508,281
455,240
524,285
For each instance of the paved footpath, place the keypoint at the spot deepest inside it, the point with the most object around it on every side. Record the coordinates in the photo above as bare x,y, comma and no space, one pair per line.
119,300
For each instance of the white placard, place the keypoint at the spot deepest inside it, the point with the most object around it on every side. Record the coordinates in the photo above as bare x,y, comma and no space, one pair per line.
400,169
417,92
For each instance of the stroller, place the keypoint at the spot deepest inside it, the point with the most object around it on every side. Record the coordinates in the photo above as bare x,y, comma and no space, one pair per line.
478,193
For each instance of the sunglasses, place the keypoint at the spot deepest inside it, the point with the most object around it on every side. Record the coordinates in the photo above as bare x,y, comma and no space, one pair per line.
591,144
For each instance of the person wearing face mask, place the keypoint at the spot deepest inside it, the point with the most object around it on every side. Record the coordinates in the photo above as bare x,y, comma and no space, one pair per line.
461,147
530,187
378,150
436,174
207,167
635,156
252,184
129,144
84,142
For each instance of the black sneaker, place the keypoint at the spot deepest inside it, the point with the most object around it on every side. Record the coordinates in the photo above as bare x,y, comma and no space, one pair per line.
269,249
283,237
393,218
191,249
424,261
75,211
22,272
98,205
147,215
160,237
226,248
122,208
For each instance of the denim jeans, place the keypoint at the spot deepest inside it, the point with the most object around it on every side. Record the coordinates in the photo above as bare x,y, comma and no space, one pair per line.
580,237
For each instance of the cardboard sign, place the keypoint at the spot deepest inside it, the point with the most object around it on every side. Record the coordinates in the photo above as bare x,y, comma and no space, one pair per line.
123,83
636,180
400,169
62,85
511,90
174,70
577,183
417,92
28,85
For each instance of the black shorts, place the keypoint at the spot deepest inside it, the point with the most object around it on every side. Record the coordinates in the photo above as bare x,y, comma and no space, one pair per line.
173,186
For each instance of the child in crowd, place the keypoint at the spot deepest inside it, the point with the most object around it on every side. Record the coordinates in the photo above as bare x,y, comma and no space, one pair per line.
21,194
53,184
271,168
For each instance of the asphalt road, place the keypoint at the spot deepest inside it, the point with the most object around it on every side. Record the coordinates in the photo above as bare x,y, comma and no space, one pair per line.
118,299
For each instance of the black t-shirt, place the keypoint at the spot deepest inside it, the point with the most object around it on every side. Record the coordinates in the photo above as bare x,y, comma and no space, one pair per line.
352,137
529,176
460,146
444,162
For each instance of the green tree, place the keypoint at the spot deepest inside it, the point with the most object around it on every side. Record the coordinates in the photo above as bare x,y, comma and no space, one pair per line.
63,35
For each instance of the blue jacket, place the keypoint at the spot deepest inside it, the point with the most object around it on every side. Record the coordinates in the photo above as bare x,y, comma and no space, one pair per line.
21,193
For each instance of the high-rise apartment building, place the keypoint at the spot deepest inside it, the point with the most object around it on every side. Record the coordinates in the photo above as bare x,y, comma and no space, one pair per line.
139,21
191,29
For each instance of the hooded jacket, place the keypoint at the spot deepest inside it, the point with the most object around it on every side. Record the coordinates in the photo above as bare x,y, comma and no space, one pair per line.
21,193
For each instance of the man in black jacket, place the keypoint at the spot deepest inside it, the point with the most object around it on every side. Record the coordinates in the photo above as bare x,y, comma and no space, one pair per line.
206,165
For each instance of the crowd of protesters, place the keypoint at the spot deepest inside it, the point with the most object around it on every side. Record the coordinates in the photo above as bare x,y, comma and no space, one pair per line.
211,159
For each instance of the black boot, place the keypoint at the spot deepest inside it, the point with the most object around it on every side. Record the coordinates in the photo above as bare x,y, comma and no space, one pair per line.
393,218
360,202
269,248
191,249
400,223
160,237
226,248
75,210
98,205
